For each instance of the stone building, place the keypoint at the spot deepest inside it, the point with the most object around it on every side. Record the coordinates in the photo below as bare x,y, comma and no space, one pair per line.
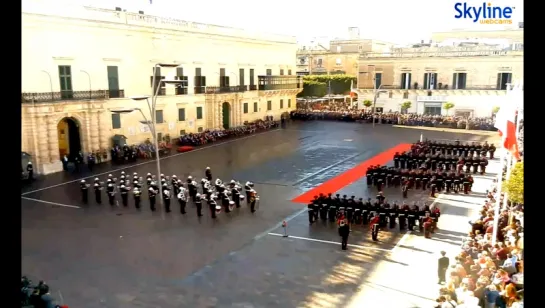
81,63
470,73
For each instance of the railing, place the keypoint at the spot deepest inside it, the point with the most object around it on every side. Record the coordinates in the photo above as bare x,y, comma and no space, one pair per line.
252,87
29,97
231,89
439,87
181,90
413,53
199,90
279,82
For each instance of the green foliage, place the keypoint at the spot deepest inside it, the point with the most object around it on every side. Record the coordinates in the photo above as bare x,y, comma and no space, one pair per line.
495,109
448,106
406,105
514,187
367,103
340,84
313,88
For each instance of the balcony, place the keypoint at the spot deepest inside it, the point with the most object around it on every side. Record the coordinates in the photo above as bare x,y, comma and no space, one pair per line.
221,90
38,97
199,90
181,91
440,87
279,82
252,87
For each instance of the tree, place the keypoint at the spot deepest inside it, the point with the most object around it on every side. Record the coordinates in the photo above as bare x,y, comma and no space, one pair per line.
367,103
448,106
495,110
405,106
514,187
313,88
337,84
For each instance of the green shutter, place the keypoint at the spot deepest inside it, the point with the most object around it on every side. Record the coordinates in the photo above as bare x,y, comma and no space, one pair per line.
116,120
181,114
199,113
245,107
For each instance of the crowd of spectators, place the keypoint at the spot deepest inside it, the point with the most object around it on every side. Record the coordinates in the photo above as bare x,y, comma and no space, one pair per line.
209,136
409,119
488,274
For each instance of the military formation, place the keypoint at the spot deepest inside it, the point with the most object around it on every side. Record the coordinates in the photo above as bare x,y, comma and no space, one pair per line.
428,165
219,196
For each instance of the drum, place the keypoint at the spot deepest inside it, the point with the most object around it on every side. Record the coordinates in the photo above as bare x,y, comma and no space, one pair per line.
241,198
231,205
218,209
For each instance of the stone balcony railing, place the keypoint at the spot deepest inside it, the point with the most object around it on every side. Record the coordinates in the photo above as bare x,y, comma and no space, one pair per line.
38,97
442,52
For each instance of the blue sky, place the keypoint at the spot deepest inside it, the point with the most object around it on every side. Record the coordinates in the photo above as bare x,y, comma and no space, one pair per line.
391,20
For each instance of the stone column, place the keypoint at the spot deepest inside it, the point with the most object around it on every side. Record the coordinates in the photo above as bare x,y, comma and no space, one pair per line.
40,132
52,139
219,116
94,128
103,131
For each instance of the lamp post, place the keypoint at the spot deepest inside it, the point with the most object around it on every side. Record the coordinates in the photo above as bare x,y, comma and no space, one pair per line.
152,121
236,78
89,78
376,92
50,83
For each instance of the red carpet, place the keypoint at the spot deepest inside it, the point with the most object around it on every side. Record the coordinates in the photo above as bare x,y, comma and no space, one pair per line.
348,177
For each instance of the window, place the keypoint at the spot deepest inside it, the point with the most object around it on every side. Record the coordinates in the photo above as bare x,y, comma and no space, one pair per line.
158,116
459,81
181,114
255,107
113,82
199,113
405,95
432,110
269,72
199,130
430,81
281,72
503,80
289,103
319,62
338,61
269,105
199,81
405,81
252,77
245,107
182,87
65,78
281,104
339,48
116,121
182,132
158,83
378,80
289,72
241,77
224,80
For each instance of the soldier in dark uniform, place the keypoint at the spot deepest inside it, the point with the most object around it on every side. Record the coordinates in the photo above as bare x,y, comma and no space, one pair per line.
369,176
405,188
110,191
466,182
344,231
83,186
98,193
212,206
225,201
137,195
192,187
425,180
380,197
402,160
482,164
166,197
235,193
491,151
30,171
253,200
149,179
208,174
124,190
248,187
198,204
403,216
396,160
374,224
152,194
412,217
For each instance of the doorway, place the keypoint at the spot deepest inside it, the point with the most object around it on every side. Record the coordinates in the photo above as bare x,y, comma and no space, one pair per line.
432,110
226,110
68,131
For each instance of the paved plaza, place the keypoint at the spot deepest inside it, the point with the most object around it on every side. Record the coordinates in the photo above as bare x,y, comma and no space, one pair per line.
99,256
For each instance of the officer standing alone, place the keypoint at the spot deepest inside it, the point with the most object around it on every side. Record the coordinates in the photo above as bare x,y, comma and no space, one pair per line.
344,231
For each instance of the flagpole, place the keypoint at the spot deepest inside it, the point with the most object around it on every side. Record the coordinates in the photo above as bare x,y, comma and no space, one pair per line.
507,176
498,198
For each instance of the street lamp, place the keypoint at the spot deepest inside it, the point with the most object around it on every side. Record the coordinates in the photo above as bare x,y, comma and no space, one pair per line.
377,92
152,121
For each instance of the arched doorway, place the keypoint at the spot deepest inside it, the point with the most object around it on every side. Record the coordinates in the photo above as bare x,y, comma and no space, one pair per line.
68,131
226,110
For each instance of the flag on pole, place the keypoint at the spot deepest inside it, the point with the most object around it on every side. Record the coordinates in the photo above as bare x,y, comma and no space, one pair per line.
507,126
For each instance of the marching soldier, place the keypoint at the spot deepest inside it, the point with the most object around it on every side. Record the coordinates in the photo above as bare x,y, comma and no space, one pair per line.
483,163
491,151
208,174
253,200
192,187
396,160
212,205
174,183
374,223
235,193
466,183
182,199
110,191
149,179
136,192
152,194
198,203
125,194
30,171
98,193
83,187
166,197
248,188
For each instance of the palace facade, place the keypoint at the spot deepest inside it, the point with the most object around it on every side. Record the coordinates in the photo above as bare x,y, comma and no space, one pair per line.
470,73
80,64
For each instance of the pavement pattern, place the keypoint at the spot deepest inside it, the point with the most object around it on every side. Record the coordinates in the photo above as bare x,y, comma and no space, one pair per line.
99,256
